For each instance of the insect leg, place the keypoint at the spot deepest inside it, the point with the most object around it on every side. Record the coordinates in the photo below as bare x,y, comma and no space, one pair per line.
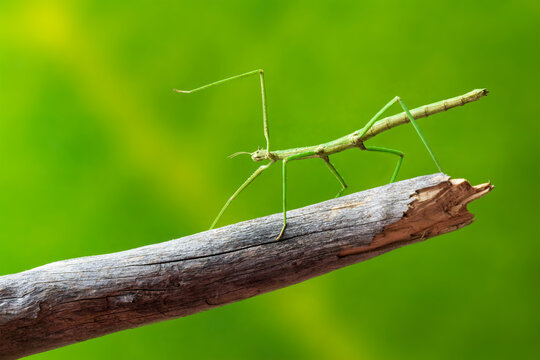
242,187
253,72
389,151
284,200
265,114
370,123
263,96
411,118
338,176
377,116
285,161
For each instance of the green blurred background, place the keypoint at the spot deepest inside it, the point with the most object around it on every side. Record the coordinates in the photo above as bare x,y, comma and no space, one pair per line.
99,155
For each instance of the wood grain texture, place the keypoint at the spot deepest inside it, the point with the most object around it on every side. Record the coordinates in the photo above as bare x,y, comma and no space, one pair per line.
73,300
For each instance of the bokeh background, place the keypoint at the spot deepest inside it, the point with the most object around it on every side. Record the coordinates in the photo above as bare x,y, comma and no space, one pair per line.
99,155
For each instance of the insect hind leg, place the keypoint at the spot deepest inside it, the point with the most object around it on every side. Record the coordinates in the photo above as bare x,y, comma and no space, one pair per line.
389,151
377,116
419,132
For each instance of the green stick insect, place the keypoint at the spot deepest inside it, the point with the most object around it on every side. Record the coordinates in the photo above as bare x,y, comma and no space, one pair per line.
353,140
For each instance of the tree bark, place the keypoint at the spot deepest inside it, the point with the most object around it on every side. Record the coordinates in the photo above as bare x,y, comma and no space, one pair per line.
74,300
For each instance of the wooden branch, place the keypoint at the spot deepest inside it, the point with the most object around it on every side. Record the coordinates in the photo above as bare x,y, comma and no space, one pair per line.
78,299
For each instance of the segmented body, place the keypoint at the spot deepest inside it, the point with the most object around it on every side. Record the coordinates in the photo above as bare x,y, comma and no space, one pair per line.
353,140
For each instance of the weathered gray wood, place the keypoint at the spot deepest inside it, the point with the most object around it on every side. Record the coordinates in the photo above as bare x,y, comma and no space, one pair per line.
78,299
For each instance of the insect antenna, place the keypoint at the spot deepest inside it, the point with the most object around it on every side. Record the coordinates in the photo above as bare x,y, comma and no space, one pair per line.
238,153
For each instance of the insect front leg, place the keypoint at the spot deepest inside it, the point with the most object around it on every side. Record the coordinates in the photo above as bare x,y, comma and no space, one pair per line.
242,187
263,96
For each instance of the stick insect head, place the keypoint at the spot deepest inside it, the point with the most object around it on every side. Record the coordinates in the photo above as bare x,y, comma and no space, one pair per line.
259,155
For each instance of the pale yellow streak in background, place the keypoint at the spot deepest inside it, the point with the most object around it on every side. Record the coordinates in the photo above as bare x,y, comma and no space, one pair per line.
52,29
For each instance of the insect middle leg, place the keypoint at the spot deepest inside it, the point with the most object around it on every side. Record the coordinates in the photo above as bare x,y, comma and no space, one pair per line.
338,176
285,161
